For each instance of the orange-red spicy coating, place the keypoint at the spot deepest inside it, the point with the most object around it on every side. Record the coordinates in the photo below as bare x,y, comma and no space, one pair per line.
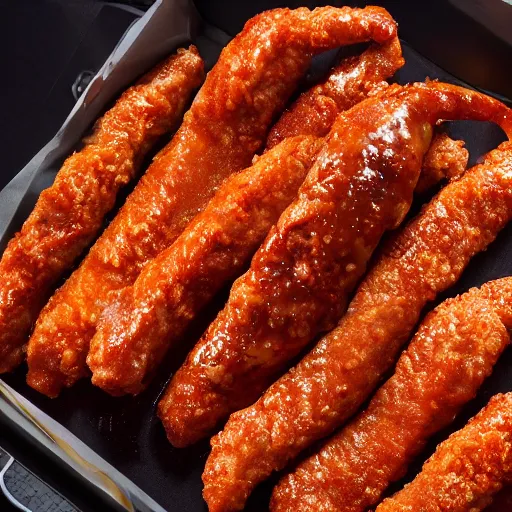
350,82
335,378
146,318
69,214
360,185
226,124
453,352
137,329
467,469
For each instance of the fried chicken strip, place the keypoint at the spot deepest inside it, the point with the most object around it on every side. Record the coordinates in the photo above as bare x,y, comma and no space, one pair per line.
333,380
350,82
226,124
137,329
70,213
453,352
467,469
360,185
145,319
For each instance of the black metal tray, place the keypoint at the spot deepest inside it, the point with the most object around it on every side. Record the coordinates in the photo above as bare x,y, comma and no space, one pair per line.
125,432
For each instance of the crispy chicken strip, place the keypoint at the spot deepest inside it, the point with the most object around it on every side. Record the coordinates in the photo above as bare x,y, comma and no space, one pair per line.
137,329
69,214
146,318
228,121
335,378
350,82
360,185
467,469
448,359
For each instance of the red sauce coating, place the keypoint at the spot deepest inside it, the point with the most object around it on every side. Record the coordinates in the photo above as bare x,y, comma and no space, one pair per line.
227,123
350,82
467,469
148,317
333,380
452,353
138,328
70,213
145,319
360,185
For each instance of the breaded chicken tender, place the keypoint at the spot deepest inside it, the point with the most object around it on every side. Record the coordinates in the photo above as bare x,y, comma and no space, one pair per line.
446,362
227,123
467,469
69,214
330,383
147,318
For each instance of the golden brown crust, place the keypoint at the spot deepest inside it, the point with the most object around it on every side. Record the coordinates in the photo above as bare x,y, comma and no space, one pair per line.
69,214
137,329
251,82
467,469
348,83
334,379
454,350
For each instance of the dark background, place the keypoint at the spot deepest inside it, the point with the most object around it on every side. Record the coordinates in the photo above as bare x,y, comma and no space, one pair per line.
47,43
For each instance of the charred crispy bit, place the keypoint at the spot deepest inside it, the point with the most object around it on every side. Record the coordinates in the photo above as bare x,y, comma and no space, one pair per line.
335,378
227,122
69,214
467,469
360,185
453,352
137,329
348,83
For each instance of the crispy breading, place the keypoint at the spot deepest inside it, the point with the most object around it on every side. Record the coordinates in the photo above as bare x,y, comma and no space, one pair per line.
227,123
69,214
350,82
467,469
446,159
333,380
452,353
145,319
138,328
360,185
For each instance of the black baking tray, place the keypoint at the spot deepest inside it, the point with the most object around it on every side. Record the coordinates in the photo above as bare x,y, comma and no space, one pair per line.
125,432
